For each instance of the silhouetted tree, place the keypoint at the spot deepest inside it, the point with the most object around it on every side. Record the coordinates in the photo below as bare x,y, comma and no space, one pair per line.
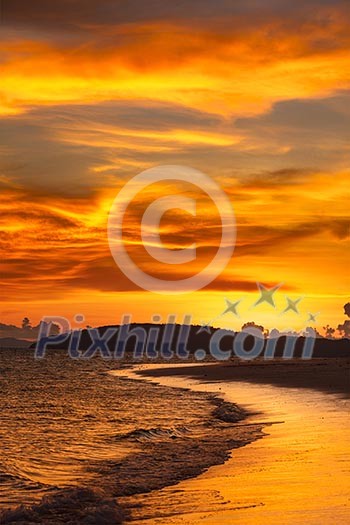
254,325
26,324
347,309
55,329
329,331
344,329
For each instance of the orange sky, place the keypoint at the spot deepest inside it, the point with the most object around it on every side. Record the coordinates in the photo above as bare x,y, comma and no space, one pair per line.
256,95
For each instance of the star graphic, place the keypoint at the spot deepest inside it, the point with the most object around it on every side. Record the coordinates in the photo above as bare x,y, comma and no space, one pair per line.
267,294
312,317
292,305
231,307
204,328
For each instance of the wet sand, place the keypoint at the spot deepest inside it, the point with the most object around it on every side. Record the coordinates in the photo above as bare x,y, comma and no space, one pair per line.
326,375
298,473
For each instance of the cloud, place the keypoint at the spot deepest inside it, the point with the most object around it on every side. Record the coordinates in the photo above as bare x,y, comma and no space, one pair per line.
70,15
312,134
275,179
56,246
256,94
327,116
266,240
85,146
233,59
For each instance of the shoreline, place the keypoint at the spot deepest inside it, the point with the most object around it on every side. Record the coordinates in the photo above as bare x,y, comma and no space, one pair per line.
190,433
311,436
325,375
216,469
245,431
229,427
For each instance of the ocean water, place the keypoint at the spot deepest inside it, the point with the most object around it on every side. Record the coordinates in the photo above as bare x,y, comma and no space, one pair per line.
75,438
298,474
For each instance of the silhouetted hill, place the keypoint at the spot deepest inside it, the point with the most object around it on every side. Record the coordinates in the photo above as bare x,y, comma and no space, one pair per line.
197,338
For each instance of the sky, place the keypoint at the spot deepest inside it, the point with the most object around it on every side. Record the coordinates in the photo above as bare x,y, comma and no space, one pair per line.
254,94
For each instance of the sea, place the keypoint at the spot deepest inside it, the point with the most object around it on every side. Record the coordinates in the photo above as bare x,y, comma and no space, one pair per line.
76,439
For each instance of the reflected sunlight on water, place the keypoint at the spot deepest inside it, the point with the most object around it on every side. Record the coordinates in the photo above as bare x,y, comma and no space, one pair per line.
299,473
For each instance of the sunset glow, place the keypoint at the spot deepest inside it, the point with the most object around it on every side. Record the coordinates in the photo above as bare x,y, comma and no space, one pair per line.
257,100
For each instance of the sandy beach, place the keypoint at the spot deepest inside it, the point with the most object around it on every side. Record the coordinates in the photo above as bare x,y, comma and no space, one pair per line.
298,473
326,375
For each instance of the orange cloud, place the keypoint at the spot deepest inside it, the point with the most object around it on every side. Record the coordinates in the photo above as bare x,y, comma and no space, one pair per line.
257,98
54,245
242,70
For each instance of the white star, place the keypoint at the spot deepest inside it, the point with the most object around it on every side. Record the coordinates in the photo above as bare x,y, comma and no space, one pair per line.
312,317
204,328
231,307
292,305
266,294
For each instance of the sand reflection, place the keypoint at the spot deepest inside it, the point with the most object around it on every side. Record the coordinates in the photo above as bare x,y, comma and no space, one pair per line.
299,473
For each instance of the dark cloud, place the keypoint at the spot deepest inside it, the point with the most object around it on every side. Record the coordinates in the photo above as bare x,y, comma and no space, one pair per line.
124,114
301,119
328,114
314,133
87,264
99,273
58,147
40,217
269,179
43,140
69,14
266,240
45,161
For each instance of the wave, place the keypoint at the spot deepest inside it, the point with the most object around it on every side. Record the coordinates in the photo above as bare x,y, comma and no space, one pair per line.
10,476
69,506
132,447
147,434
228,412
